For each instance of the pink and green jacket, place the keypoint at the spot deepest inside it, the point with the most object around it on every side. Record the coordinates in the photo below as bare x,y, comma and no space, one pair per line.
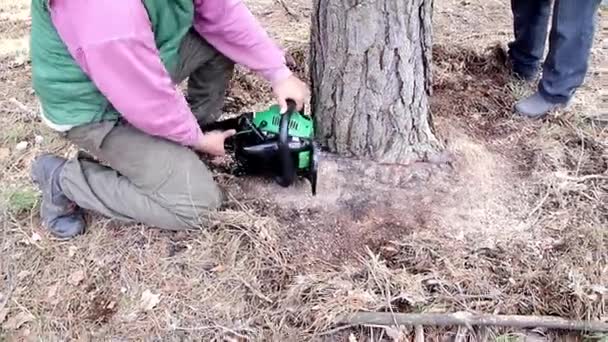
97,60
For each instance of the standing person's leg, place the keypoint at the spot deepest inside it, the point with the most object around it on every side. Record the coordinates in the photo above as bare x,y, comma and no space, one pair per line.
149,179
570,44
530,26
566,65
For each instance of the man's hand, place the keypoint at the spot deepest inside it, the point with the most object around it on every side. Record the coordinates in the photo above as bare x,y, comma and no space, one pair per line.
291,88
213,142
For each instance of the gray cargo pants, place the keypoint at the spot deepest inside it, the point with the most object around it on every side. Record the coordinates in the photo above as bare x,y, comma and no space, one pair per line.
148,179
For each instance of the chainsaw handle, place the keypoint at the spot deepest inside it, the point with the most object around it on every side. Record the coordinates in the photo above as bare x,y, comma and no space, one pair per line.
288,171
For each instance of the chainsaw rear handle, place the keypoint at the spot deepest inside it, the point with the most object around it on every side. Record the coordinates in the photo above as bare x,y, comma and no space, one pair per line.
288,170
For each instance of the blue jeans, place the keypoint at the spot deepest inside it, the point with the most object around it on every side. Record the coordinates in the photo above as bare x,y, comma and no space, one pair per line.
570,41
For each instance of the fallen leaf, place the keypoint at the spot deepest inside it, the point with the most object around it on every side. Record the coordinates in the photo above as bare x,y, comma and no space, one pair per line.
76,278
20,60
21,146
599,289
72,251
5,153
23,274
149,300
18,320
52,291
111,305
218,269
36,237
395,334
130,317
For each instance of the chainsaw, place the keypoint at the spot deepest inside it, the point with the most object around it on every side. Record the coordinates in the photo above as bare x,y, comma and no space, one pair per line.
273,144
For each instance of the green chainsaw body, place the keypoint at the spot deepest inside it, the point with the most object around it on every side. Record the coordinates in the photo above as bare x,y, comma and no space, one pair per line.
271,143
300,126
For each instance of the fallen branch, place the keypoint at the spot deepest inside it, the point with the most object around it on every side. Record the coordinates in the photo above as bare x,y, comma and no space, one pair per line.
469,319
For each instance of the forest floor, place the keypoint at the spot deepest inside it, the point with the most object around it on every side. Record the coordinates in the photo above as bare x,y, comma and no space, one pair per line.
517,224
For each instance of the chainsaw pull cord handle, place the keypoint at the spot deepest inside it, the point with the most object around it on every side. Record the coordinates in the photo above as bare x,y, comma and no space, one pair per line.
288,171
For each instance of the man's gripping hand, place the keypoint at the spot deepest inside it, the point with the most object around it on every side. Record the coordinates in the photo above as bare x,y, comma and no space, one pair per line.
213,142
291,88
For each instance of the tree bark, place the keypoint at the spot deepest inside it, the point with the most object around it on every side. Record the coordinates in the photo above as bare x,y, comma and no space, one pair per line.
370,76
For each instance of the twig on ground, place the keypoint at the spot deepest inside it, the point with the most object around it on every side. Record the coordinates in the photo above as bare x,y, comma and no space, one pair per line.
582,178
287,9
461,335
419,334
213,327
6,298
335,330
539,205
255,291
470,319
21,106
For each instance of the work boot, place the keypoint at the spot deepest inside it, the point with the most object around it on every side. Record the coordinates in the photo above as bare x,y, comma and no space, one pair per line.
59,214
536,106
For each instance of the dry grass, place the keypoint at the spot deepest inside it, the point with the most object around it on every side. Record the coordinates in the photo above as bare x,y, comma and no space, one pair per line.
544,250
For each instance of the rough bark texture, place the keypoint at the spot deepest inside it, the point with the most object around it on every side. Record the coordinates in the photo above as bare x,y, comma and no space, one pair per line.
370,77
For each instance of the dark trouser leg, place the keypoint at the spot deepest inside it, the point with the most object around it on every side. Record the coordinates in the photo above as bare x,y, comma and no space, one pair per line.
530,23
570,44
208,72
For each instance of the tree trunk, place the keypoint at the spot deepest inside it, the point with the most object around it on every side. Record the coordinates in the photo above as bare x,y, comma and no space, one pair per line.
370,78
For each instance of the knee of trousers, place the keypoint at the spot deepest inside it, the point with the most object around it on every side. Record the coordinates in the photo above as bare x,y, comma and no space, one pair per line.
192,195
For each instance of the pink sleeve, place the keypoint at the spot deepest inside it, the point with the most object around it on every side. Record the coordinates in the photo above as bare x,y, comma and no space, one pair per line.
114,45
233,30
129,72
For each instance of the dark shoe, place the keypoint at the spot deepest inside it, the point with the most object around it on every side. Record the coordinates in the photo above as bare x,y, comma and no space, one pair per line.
59,214
521,72
523,76
536,106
